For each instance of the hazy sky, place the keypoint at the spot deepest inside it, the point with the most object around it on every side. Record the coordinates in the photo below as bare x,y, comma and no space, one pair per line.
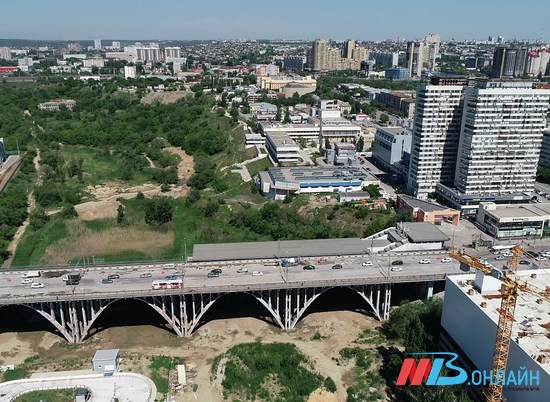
248,19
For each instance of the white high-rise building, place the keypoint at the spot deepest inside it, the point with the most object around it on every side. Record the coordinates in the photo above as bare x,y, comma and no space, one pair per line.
115,45
173,52
435,134
129,72
5,53
501,138
97,44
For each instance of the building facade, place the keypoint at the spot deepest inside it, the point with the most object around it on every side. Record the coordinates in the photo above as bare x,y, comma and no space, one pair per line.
512,221
544,159
391,146
501,137
436,134
282,148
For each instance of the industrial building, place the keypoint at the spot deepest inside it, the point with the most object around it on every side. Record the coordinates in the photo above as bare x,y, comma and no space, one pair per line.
277,183
263,110
510,221
426,211
470,316
282,148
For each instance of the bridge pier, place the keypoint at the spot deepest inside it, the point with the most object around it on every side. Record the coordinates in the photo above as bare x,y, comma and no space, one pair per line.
183,312
429,289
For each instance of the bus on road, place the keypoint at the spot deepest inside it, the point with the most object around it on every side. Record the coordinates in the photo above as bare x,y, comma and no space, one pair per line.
167,284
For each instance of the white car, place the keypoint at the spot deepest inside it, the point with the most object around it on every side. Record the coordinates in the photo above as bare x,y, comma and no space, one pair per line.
27,281
257,273
37,285
242,270
446,259
396,269
367,264
507,254
540,258
424,261
500,257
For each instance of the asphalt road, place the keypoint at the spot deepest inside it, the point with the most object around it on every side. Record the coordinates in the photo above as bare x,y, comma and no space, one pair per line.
195,275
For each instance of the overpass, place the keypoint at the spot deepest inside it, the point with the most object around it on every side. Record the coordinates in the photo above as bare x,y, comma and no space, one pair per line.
286,292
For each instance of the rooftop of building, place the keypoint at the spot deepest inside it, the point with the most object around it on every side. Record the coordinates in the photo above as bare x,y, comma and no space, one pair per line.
394,130
531,329
106,354
519,210
319,174
423,232
280,249
282,140
270,124
422,204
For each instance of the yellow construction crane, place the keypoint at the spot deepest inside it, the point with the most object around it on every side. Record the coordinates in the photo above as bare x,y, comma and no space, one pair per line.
509,290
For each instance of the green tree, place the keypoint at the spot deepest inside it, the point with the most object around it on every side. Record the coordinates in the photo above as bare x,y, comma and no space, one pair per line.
287,116
38,219
327,143
360,144
384,118
158,210
121,215
278,114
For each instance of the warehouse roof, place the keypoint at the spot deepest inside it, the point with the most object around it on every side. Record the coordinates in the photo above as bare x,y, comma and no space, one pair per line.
106,354
423,232
279,249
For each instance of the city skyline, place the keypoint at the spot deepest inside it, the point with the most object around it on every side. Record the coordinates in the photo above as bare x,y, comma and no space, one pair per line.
65,20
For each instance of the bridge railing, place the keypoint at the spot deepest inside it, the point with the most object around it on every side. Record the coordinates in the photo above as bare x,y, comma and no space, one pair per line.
230,288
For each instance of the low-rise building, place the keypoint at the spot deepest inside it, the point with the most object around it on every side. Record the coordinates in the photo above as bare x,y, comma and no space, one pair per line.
399,73
343,153
252,139
54,104
106,361
508,221
263,110
275,83
277,183
403,101
392,148
282,148
426,211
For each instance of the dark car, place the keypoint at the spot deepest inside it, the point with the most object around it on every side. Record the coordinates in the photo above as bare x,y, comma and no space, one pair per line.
113,276
146,275
72,282
397,262
213,275
309,267
524,262
337,266
106,280
170,277
217,271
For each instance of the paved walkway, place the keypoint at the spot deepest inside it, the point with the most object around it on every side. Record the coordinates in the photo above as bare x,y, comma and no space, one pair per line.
241,168
127,387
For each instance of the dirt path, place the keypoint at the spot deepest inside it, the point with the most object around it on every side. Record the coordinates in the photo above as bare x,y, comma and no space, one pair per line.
31,205
151,164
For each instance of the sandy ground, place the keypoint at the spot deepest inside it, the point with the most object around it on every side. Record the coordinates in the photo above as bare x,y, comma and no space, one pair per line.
106,194
340,329
165,97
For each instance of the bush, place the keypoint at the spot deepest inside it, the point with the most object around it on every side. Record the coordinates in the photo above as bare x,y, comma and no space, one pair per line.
158,210
329,385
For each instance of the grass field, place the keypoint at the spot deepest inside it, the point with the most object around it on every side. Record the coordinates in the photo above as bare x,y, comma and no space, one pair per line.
258,166
57,395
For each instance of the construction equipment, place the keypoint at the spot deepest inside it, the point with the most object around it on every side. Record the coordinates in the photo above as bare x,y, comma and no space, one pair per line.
511,284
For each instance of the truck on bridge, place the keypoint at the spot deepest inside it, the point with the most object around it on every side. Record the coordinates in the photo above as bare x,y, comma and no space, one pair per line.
72,278
32,274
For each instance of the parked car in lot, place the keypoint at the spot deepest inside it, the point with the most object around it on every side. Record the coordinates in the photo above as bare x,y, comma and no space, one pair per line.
397,262
113,276
531,254
106,280
446,259
27,281
257,273
508,254
212,274
424,261
337,266
242,270
367,264
524,262
396,269
540,258
37,285
309,267
146,275
500,257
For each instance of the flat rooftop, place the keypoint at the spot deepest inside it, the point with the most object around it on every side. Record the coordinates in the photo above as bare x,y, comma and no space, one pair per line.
106,354
522,210
279,249
318,174
282,140
424,205
531,329
395,130
423,232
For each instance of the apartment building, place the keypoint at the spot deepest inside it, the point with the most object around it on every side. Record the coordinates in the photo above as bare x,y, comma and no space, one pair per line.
501,137
436,134
544,159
